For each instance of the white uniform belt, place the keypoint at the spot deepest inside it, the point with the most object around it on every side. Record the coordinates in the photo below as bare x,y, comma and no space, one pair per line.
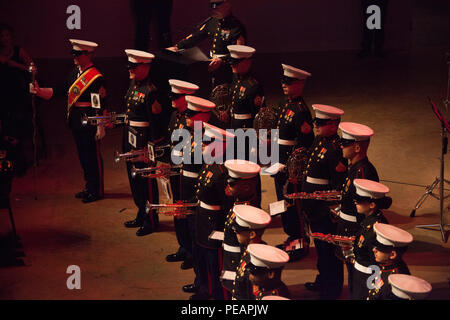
177,153
362,269
190,174
209,207
82,104
243,116
317,181
347,217
140,124
287,142
231,248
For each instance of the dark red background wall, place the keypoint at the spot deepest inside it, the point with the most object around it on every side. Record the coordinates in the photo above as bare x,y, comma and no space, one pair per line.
272,25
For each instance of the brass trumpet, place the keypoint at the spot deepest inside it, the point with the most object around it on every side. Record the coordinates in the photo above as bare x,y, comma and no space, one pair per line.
128,156
163,170
155,151
334,239
172,209
113,118
330,195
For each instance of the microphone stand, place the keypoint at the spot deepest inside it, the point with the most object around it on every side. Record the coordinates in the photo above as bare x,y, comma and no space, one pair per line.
33,70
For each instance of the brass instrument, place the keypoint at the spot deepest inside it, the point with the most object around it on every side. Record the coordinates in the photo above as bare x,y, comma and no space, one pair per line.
163,170
221,96
128,156
179,209
151,152
266,118
334,239
329,195
155,151
113,118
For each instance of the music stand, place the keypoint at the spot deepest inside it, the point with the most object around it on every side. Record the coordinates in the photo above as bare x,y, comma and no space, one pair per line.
440,180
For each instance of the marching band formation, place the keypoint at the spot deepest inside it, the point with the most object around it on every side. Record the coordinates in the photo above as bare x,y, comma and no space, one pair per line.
327,189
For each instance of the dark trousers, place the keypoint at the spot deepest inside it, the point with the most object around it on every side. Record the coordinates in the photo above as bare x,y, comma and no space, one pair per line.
373,37
290,218
209,268
143,12
143,190
90,159
331,269
360,291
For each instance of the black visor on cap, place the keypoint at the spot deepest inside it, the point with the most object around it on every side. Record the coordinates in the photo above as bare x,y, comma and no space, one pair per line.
190,113
321,122
361,199
175,96
288,80
255,269
234,61
133,65
77,53
382,247
232,181
237,228
346,142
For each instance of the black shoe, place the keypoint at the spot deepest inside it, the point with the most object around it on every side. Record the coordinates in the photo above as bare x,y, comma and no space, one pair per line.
81,194
175,257
143,231
133,224
189,288
199,296
312,286
90,198
187,264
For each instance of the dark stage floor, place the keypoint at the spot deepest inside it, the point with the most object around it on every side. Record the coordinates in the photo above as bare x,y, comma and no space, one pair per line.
389,95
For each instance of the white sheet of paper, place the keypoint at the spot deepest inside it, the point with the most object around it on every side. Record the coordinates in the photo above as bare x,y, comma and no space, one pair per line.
167,191
228,275
277,207
217,235
273,169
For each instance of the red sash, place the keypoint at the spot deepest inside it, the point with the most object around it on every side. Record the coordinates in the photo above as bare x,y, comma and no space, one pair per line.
80,85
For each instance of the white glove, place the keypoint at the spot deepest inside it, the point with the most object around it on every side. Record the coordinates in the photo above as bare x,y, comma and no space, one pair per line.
101,132
44,93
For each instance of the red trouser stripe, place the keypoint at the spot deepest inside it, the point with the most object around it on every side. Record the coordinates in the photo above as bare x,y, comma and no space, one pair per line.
220,254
